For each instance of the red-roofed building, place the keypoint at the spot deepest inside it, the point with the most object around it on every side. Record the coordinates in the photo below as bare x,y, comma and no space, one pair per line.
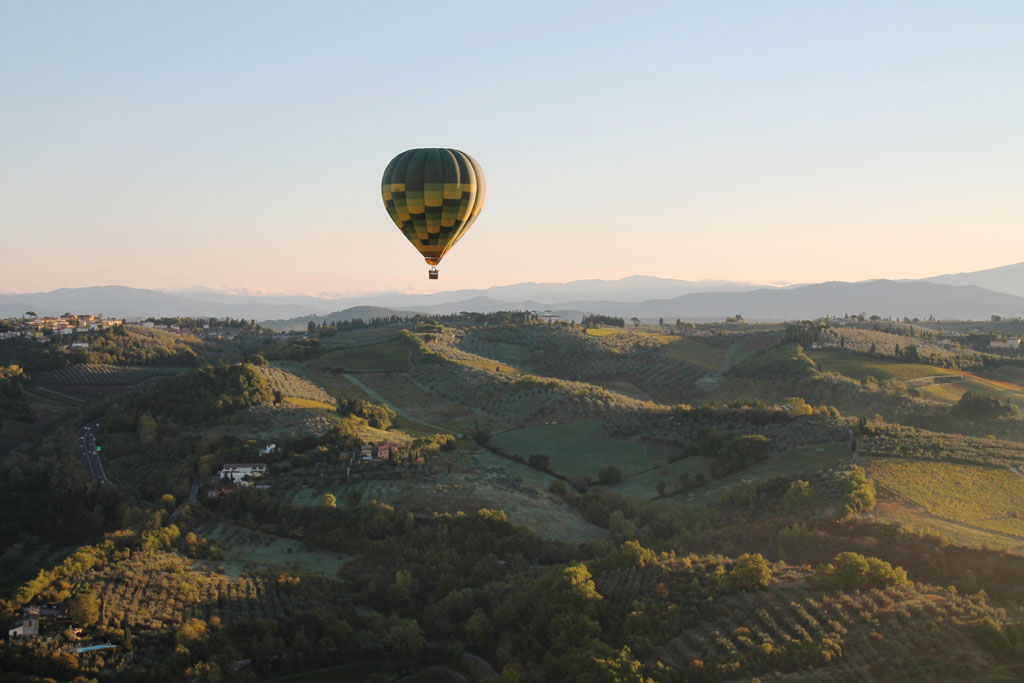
385,450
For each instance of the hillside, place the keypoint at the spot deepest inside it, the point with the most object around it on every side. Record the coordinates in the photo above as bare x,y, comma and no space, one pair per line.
714,502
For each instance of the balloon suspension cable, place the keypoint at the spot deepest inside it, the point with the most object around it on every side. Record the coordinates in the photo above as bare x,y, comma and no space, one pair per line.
432,273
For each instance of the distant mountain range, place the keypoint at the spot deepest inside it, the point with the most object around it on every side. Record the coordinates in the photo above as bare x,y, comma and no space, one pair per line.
963,296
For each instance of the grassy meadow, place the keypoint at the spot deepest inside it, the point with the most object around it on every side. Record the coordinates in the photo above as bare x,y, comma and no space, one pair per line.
795,462
859,367
381,357
581,449
245,550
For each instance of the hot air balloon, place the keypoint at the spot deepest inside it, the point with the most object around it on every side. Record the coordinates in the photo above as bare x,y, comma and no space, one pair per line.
433,195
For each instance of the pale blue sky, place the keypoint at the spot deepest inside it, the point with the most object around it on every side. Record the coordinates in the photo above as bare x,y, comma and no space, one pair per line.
169,144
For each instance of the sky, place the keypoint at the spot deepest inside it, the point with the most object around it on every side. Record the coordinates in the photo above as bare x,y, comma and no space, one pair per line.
241,144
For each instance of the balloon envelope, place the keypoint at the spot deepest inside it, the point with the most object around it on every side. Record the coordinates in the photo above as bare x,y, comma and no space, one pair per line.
433,195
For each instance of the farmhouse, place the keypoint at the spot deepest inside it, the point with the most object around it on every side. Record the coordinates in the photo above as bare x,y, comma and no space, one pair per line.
28,625
243,472
386,448
24,627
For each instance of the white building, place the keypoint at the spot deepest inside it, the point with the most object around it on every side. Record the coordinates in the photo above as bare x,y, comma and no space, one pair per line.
25,627
237,472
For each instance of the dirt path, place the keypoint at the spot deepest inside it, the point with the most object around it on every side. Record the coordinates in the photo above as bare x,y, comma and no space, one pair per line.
935,379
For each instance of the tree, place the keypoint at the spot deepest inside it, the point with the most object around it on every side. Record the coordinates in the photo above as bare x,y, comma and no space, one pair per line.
330,500
853,571
800,498
557,487
148,429
750,572
406,643
797,406
609,475
635,321
860,494
85,608
540,461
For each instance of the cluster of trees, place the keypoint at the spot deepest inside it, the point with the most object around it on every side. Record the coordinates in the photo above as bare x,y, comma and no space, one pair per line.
12,394
853,571
295,349
205,393
495,318
859,494
596,320
729,451
975,406
376,414
189,323
801,498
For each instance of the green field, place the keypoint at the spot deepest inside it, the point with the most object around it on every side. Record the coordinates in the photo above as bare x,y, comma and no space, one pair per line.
580,449
645,484
696,353
245,549
798,461
952,391
858,367
383,357
514,353
486,458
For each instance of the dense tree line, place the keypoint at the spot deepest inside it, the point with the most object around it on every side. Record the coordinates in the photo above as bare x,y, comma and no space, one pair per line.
596,320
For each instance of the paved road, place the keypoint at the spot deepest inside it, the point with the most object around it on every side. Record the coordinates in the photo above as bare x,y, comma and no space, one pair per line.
90,452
